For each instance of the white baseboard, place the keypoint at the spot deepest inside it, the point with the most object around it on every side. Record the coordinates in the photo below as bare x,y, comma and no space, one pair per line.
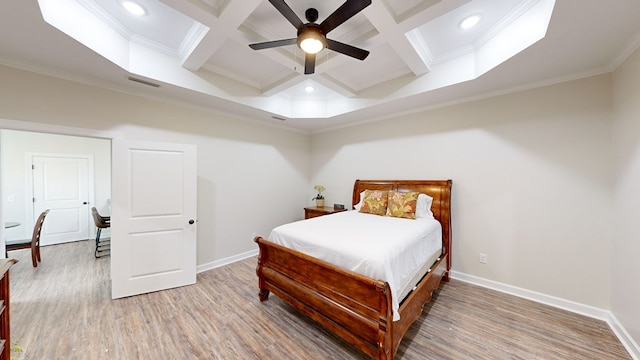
631,345
226,261
627,341
575,307
534,296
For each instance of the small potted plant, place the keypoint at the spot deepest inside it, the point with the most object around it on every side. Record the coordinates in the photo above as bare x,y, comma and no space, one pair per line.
319,197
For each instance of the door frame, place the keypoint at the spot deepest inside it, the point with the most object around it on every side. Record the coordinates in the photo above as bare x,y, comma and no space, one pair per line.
31,214
8,124
60,130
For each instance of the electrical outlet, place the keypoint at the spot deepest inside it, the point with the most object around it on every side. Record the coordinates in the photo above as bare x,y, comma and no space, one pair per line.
483,258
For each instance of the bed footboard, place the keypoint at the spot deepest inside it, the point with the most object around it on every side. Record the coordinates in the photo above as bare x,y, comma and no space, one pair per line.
352,306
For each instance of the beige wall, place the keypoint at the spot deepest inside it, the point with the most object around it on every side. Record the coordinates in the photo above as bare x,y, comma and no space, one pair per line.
626,231
245,171
532,171
531,181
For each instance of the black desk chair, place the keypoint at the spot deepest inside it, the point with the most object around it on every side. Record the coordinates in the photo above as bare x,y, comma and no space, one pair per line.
33,243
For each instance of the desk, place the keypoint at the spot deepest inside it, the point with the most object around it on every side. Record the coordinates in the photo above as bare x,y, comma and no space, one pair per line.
10,224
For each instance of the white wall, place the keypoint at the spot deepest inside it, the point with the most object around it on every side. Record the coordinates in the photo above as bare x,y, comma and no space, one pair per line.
626,235
251,178
14,147
531,181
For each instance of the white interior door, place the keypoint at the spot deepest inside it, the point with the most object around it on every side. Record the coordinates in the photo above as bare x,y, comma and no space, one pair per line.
61,184
153,229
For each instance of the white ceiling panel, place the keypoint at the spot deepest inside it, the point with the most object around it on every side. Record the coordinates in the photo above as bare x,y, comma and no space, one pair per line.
198,51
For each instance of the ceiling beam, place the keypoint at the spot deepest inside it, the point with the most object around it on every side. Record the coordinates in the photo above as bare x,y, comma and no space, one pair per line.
335,85
389,31
221,28
283,84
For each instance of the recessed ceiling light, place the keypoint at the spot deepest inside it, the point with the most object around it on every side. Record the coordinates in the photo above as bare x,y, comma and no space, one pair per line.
134,8
309,88
469,22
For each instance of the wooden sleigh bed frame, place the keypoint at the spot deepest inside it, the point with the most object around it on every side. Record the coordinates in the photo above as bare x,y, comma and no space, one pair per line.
352,306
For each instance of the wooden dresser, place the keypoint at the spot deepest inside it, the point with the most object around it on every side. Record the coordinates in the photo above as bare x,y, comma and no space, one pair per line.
311,212
5,328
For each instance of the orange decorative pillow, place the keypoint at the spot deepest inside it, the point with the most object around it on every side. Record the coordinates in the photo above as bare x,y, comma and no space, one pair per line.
402,204
374,202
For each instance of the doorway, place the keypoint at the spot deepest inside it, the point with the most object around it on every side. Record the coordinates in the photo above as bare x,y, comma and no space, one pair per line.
182,155
67,173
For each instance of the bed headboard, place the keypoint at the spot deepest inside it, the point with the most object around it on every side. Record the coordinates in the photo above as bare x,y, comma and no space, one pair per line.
439,190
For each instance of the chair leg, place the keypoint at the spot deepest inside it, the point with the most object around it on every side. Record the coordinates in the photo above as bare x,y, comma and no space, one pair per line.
97,241
34,259
102,249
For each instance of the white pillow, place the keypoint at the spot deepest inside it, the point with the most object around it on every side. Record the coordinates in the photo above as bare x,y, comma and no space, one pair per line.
359,205
423,206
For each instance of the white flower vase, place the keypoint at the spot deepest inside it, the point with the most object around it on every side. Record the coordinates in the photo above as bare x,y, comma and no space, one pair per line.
320,202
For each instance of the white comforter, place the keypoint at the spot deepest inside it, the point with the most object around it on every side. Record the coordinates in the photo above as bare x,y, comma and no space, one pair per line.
380,247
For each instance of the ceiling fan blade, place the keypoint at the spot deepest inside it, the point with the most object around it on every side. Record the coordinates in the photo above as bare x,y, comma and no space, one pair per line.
343,13
309,64
272,44
348,50
286,11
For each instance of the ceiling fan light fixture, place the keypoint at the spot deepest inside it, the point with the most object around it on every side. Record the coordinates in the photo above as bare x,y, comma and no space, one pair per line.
312,41
311,37
311,46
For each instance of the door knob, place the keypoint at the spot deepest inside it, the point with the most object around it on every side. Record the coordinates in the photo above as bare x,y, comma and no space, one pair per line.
84,203
191,222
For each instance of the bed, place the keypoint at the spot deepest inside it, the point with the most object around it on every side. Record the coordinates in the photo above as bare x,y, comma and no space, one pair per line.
355,307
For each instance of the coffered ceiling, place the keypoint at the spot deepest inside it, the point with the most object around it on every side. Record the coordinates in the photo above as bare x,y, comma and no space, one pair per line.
196,52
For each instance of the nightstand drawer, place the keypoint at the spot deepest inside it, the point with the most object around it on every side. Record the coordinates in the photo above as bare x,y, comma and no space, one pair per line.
313,211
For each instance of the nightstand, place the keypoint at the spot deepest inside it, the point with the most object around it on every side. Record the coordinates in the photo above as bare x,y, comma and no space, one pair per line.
313,211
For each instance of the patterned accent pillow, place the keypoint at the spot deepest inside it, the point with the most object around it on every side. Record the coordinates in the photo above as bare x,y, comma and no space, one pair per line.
374,202
402,204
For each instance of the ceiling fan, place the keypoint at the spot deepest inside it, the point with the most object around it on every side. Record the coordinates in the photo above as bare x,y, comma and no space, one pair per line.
312,38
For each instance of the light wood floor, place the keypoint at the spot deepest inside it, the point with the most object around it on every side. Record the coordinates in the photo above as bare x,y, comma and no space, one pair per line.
63,310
